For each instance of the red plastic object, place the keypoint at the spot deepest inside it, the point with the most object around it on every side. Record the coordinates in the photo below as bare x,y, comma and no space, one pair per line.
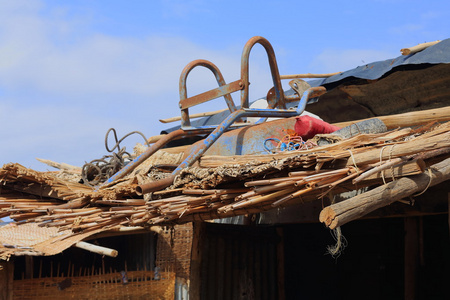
307,127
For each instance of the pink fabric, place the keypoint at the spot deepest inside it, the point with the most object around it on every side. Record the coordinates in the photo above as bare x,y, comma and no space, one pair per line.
307,127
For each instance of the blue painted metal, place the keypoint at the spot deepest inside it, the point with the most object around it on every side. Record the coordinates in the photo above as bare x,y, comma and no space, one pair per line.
198,150
250,140
308,94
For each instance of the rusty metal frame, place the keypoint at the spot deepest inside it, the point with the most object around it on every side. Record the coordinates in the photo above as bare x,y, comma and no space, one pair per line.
200,149
278,100
223,90
276,108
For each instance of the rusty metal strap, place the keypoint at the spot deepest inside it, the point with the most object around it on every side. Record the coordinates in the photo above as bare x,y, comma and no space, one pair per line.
212,94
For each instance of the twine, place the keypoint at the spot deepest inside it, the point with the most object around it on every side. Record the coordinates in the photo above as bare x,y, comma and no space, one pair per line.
358,130
381,160
392,167
341,242
353,158
428,185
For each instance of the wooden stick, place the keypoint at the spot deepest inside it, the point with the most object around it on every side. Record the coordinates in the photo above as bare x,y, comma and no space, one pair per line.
229,196
260,199
291,196
325,182
350,176
307,173
271,181
325,175
309,75
163,192
61,166
265,189
122,202
404,168
154,139
80,212
343,212
379,168
193,116
417,48
213,192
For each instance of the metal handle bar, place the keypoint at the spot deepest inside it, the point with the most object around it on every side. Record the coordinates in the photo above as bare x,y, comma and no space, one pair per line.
223,90
277,101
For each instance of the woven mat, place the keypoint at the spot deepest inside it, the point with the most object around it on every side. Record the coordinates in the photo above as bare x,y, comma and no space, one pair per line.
30,239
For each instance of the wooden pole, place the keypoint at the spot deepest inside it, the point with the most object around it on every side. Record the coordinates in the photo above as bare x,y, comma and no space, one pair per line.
417,48
61,166
154,139
6,279
29,264
343,212
97,249
308,75
193,116
196,260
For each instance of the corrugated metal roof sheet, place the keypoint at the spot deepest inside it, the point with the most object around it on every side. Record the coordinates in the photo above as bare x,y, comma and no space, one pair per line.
436,54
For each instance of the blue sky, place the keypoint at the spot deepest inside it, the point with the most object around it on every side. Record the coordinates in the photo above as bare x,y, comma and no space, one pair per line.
70,70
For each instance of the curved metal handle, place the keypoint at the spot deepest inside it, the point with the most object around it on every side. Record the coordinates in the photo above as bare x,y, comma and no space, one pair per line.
275,101
186,102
